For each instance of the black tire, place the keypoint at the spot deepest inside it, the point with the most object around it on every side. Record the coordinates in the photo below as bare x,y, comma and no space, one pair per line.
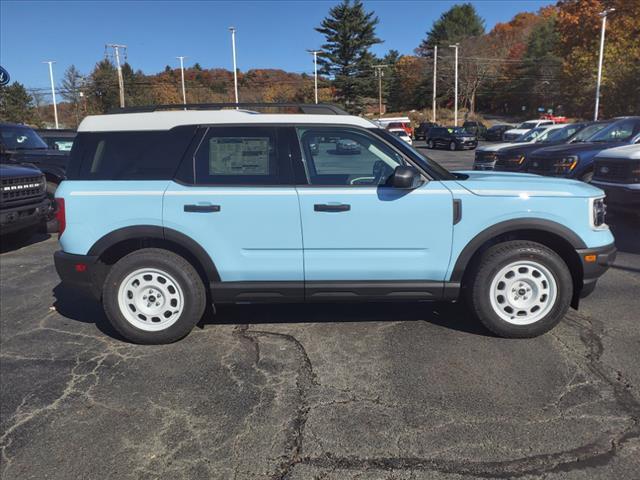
492,261
51,222
177,267
453,146
430,144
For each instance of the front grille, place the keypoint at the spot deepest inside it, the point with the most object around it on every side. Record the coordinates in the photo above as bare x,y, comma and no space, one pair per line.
21,188
616,171
541,165
482,156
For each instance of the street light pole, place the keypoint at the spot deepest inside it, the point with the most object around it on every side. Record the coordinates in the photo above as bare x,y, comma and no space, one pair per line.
379,74
235,68
455,115
116,52
315,70
184,92
604,26
435,68
53,92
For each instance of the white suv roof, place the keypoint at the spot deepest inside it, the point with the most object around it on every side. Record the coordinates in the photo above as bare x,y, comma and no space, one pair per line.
165,120
632,152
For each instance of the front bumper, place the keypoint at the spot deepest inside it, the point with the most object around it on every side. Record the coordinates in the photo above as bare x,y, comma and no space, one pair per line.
83,272
484,165
14,219
595,261
621,196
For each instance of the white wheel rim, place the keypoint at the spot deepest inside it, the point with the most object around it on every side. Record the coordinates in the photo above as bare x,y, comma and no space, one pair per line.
523,292
150,299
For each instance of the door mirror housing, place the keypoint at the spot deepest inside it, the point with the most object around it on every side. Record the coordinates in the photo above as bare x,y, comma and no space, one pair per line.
405,177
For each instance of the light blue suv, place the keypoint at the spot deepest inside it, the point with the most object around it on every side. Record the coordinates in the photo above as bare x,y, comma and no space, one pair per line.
165,211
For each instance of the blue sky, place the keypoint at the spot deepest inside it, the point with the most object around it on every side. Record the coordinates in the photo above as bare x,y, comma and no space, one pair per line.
271,34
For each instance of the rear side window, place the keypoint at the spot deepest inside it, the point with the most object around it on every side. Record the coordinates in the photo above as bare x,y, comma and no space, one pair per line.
139,155
238,156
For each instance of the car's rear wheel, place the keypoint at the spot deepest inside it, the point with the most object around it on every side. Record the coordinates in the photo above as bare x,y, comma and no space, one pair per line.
430,144
51,222
153,296
520,289
452,146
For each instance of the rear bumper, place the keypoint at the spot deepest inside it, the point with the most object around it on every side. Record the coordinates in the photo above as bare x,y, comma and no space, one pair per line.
595,262
14,219
80,271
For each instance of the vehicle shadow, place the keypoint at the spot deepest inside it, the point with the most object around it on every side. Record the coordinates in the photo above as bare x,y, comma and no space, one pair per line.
8,244
626,230
79,307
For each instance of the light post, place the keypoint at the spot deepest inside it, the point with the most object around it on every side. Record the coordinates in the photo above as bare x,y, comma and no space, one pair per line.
435,68
53,91
184,92
235,68
604,27
455,114
315,70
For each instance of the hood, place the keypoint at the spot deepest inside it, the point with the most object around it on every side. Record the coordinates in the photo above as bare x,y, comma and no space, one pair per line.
574,148
517,130
498,146
511,184
10,170
526,147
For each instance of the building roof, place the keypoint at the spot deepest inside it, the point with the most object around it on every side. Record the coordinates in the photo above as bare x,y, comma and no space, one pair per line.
165,120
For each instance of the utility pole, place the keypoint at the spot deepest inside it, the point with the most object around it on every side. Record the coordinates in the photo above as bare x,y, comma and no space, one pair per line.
53,91
235,68
315,70
604,26
435,69
379,74
184,93
455,114
116,54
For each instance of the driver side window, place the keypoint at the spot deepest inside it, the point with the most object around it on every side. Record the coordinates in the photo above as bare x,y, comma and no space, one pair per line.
342,156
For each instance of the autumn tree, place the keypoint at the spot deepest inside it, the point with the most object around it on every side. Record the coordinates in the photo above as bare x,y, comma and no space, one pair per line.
71,84
349,34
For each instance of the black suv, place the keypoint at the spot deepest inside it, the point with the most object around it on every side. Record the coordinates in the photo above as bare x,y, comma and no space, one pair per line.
23,200
477,128
21,144
495,133
453,138
420,133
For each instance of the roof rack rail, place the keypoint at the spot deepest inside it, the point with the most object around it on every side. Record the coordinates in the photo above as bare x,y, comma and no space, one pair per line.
313,108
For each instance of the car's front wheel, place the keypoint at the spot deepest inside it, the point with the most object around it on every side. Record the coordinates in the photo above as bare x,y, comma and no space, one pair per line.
430,144
153,296
452,146
520,289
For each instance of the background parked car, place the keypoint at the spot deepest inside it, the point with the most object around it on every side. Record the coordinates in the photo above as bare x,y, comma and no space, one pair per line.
617,172
420,133
453,138
575,160
495,133
524,128
347,146
477,128
399,132
21,144
61,140
514,158
486,155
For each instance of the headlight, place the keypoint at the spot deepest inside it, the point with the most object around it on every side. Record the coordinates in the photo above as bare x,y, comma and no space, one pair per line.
516,160
598,212
567,164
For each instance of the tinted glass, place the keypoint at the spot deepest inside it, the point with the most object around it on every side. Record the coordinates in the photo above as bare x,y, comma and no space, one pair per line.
238,156
20,138
620,131
561,134
150,155
341,156
589,132
528,125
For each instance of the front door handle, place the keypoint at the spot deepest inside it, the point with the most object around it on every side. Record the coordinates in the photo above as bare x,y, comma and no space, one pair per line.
202,208
328,207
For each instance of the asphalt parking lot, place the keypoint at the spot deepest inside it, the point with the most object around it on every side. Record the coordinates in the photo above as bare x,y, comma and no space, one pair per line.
375,391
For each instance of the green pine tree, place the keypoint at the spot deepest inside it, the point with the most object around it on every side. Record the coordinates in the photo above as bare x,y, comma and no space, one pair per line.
456,24
16,104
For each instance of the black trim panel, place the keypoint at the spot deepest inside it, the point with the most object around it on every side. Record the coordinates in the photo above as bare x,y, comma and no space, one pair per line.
259,292
530,224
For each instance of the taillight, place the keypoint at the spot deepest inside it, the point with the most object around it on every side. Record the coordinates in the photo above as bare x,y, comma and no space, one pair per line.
60,216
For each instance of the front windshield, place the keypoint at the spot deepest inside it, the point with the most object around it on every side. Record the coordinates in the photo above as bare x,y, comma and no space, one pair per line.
530,135
428,164
588,132
621,131
458,131
560,134
21,138
527,125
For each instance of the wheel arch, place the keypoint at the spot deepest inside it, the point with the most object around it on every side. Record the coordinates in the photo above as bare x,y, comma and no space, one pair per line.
557,237
118,243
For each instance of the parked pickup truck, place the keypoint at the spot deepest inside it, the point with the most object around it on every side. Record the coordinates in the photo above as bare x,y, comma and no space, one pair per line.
23,200
617,172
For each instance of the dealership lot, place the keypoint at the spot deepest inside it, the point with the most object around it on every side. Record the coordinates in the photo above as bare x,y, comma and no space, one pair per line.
380,391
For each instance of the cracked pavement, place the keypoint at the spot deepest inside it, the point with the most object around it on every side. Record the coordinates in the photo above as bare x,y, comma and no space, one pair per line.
373,391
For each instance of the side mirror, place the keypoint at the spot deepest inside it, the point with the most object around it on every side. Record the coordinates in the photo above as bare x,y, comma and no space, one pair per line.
405,177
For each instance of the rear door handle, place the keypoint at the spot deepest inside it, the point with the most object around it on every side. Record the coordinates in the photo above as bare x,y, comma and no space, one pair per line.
328,207
202,208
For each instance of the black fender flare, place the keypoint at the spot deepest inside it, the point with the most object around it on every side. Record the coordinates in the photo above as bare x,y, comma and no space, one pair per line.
530,224
160,233
54,174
